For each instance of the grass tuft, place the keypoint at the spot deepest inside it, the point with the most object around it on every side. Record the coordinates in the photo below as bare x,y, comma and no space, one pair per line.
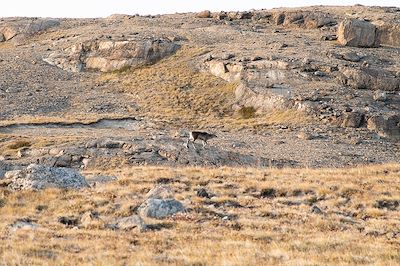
247,112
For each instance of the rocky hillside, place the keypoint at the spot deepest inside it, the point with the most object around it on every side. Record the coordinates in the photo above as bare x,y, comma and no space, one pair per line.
95,115
316,87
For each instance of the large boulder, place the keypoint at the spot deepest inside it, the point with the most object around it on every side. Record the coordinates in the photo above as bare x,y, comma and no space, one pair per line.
110,55
40,177
357,33
160,208
160,203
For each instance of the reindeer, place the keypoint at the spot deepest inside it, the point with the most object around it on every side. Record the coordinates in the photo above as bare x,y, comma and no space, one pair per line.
203,136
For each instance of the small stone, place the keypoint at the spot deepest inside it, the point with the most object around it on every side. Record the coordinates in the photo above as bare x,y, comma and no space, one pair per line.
69,221
24,224
380,96
352,57
319,74
91,219
348,109
355,141
131,222
256,58
315,209
304,135
202,193
227,56
268,193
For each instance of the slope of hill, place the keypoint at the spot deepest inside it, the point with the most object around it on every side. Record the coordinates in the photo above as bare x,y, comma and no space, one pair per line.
302,90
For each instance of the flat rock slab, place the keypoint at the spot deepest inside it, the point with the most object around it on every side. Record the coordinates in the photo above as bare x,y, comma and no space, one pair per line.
41,177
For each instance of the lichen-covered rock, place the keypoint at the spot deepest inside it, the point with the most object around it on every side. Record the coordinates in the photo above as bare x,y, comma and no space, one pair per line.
109,55
357,33
41,177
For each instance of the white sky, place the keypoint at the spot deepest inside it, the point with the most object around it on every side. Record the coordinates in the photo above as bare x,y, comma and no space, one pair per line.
102,8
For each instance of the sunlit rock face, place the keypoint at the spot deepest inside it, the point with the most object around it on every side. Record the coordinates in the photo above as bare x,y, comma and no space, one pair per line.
111,55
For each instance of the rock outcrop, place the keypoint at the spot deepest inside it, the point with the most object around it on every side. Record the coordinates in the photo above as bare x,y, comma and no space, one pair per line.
21,29
370,79
110,55
41,177
308,20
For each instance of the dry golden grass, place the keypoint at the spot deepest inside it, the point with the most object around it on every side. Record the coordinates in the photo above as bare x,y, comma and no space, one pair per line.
172,89
273,230
175,91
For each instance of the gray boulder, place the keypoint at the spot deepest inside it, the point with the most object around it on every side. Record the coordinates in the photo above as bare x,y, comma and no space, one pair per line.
357,33
41,177
160,208
160,203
